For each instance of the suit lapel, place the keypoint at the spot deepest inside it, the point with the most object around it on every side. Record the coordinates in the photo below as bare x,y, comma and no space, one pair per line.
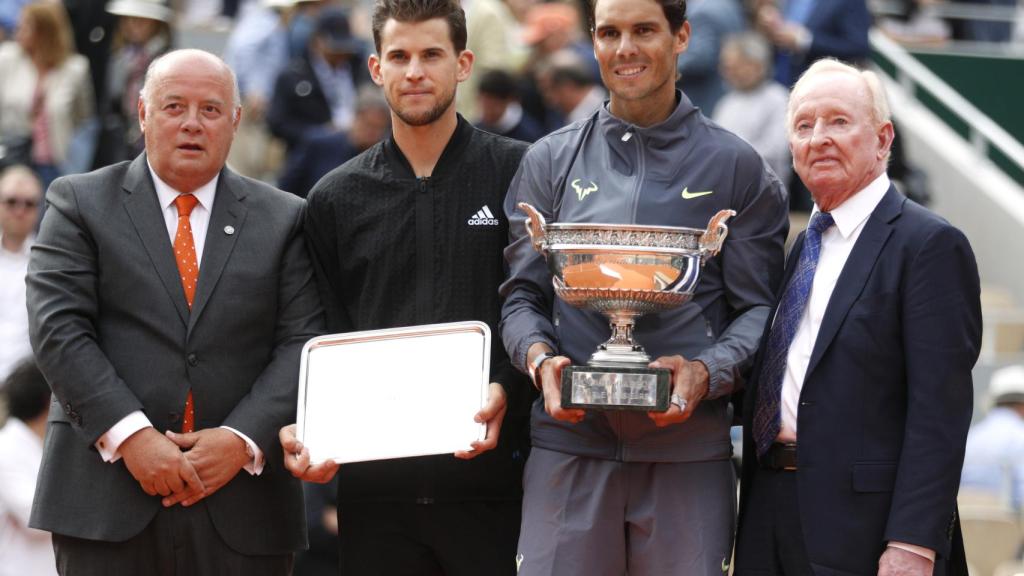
143,209
228,211
856,271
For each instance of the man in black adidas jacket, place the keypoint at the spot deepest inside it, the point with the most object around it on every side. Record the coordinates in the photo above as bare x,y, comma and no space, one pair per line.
411,232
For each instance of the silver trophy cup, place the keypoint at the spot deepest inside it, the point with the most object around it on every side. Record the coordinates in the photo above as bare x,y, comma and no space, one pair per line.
623,271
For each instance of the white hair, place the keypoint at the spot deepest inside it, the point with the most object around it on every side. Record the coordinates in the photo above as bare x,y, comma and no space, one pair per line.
879,102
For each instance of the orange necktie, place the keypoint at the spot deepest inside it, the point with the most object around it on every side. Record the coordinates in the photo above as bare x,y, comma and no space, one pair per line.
188,267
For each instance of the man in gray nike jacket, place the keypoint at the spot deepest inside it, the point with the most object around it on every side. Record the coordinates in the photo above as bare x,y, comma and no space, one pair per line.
643,493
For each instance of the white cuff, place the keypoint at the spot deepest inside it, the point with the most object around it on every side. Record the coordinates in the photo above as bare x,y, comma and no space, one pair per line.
913,548
254,466
109,445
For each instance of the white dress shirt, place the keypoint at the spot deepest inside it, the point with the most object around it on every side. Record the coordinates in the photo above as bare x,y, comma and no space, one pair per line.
14,343
836,244
199,219
23,550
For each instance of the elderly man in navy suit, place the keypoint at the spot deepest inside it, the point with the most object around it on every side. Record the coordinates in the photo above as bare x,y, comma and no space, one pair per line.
856,416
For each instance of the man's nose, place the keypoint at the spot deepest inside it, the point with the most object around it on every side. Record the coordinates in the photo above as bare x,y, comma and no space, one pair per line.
192,123
820,135
415,69
627,46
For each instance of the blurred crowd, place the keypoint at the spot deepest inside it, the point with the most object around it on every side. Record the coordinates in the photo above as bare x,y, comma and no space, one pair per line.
71,70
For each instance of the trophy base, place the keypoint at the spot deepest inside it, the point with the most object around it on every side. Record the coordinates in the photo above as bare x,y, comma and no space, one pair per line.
616,388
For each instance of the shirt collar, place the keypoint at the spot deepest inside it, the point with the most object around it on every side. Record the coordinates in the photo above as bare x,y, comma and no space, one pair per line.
855,210
166,195
665,133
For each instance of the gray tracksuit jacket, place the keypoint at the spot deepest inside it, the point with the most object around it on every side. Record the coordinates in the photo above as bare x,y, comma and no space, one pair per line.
679,172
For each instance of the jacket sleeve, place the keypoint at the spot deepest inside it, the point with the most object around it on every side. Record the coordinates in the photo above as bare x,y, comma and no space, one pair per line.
63,310
941,331
270,404
752,265
527,311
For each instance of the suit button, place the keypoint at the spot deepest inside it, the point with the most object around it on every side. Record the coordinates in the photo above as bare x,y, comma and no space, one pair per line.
67,409
173,416
192,359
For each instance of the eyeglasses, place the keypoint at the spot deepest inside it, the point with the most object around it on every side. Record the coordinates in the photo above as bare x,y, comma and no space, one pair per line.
14,203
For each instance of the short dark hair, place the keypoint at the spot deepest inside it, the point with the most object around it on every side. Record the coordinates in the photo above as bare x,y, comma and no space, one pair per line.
28,394
498,83
675,13
420,11
575,74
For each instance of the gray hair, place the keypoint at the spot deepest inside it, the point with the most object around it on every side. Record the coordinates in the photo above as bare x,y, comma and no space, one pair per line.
145,94
751,46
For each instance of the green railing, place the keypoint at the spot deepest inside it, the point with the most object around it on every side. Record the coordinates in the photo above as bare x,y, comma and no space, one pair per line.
973,84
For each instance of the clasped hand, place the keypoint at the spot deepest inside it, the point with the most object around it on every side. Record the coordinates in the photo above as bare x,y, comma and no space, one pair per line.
183,468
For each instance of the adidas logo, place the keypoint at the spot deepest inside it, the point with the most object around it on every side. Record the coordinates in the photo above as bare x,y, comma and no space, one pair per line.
483,217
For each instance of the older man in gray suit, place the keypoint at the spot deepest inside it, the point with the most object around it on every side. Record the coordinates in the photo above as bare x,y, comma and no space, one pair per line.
169,299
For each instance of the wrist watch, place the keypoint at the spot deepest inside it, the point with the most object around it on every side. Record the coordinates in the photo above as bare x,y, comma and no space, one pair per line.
535,364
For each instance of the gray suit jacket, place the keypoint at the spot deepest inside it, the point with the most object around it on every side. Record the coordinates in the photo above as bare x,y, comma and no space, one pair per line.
113,334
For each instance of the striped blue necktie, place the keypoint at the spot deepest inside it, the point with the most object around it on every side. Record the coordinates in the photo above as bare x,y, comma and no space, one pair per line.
767,415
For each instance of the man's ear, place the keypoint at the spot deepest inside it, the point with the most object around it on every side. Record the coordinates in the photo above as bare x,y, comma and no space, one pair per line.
465,64
886,135
373,64
682,38
142,114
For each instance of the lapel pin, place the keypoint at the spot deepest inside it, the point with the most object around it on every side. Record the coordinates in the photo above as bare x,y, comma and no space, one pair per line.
229,230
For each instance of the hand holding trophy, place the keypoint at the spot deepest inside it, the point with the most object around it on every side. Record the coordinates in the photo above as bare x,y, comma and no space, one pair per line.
624,272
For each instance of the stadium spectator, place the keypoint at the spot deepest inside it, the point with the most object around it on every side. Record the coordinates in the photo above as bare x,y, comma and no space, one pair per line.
317,92
711,21
492,38
143,33
755,108
500,110
320,153
803,31
24,551
985,30
20,195
569,89
46,99
257,50
994,461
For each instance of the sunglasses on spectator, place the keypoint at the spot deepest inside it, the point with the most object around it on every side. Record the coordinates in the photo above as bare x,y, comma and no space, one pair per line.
13,203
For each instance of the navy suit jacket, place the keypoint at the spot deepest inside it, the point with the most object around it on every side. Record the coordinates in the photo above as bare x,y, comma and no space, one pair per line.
887,398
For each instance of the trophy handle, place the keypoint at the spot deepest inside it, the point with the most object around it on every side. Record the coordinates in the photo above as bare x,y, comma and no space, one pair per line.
534,226
713,238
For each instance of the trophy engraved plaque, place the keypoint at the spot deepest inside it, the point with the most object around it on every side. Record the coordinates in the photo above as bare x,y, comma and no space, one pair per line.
623,271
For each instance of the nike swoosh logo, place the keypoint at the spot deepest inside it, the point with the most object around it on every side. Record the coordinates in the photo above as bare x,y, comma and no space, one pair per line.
687,195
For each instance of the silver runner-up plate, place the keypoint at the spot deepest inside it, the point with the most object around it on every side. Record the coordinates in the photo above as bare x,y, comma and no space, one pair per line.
393,393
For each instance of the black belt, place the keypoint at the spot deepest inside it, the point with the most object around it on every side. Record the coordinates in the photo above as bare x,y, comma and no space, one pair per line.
780,457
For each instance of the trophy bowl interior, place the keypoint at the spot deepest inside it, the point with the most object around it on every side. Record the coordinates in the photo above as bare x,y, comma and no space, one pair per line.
624,270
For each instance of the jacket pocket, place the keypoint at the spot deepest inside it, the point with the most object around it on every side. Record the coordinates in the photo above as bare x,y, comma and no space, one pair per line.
874,476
